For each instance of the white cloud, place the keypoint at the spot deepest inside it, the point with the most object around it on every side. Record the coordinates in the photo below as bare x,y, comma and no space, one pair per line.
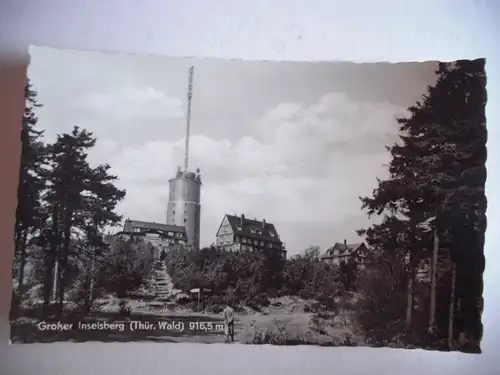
128,103
299,167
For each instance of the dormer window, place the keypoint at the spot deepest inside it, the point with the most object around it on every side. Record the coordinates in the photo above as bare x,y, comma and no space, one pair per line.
272,234
260,233
252,230
238,227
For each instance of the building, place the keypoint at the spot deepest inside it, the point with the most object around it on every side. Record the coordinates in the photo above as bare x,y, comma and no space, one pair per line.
161,236
184,208
343,251
237,233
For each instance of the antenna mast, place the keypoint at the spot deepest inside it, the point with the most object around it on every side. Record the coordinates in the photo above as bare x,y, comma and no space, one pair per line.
188,117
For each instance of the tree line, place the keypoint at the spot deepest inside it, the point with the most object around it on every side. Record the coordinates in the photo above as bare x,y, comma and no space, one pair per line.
433,210
252,278
64,207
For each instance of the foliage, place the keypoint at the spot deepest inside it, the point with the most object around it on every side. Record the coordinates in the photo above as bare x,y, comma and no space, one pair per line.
277,334
64,206
437,177
29,213
251,278
126,266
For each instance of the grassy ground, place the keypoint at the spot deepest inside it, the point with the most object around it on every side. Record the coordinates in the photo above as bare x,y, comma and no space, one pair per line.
294,325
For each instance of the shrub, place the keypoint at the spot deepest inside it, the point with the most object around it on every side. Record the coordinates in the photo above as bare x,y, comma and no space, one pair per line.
276,335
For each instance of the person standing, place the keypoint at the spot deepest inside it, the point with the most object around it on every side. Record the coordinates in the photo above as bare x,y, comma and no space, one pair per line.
229,323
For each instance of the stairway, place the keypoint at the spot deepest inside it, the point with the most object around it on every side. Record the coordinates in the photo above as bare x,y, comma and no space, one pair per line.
164,287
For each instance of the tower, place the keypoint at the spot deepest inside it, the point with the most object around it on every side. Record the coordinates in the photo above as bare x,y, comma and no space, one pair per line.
184,207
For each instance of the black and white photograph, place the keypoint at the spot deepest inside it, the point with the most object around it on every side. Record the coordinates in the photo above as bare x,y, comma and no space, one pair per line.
190,200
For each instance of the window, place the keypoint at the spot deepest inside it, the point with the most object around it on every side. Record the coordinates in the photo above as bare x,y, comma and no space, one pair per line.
136,230
255,242
173,212
261,243
224,229
270,245
185,219
272,234
236,238
244,240
260,233
238,227
170,234
252,230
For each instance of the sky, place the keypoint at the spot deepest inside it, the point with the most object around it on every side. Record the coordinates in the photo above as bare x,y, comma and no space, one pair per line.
294,143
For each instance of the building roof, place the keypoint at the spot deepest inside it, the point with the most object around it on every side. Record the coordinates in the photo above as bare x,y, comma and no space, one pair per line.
151,226
343,249
256,229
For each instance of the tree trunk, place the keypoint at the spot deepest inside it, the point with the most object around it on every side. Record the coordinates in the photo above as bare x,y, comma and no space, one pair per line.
52,240
432,317
22,263
17,236
55,280
409,303
64,256
451,317
409,295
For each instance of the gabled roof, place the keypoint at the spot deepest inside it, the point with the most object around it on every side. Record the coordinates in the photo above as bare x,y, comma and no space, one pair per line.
343,249
256,229
151,226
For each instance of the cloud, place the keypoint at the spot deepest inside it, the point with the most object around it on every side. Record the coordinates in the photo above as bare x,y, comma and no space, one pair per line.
130,103
298,167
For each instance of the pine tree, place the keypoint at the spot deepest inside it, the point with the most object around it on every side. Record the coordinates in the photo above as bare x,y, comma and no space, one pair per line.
81,200
438,171
28,215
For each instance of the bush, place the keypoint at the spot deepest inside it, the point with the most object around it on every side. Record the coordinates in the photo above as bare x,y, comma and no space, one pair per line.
276,335
257,302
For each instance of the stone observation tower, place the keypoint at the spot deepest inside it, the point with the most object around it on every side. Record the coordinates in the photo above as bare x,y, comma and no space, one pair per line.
184,207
